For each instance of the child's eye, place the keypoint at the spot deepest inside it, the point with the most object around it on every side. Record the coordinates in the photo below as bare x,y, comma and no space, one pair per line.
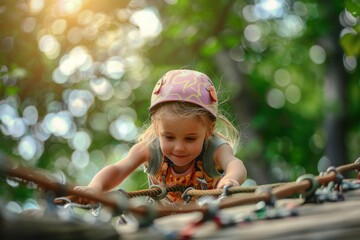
169,137
190,139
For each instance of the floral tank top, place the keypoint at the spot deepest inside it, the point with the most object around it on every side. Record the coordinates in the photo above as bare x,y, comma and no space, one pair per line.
203,174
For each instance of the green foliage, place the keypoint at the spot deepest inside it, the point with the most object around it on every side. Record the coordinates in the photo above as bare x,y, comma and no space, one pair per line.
276,96
350,42
353,6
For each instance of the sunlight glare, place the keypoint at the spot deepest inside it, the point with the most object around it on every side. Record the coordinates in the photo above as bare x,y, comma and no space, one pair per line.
114,68
148,22
266,9
58,124
49,45
75,59
70,6
35,6
290,26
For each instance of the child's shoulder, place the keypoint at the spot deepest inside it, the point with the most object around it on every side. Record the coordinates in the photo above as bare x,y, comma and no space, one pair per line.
216,141
140,150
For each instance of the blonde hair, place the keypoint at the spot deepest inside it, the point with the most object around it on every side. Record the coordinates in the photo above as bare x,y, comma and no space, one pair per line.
223,127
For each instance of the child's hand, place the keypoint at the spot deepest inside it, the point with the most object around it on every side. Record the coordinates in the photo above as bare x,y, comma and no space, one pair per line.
84,189
227,181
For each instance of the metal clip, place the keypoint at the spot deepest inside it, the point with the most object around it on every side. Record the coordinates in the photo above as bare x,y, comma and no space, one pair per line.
225,193
162,194
350,185
314,184
187,198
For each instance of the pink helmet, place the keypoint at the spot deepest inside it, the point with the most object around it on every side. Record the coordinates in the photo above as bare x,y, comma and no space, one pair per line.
186,86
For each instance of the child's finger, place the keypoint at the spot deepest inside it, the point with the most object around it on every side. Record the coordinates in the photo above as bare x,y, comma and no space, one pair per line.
65,200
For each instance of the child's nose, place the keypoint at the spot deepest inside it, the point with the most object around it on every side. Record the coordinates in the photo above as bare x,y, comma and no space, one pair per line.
179,146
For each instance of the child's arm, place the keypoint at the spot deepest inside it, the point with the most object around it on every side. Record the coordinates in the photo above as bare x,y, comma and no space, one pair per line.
112,175
235,171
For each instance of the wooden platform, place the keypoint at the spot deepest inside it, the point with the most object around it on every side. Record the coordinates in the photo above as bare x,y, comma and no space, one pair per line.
328,220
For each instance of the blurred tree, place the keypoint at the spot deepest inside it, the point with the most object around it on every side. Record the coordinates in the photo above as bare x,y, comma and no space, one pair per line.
289,77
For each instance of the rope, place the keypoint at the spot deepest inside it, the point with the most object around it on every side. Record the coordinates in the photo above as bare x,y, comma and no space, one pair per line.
283,191
231,190
155,191
279,191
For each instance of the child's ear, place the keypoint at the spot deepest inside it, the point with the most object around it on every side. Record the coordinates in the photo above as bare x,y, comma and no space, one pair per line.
210,130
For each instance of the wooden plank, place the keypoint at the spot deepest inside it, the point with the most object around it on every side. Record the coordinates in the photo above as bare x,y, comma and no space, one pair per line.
329,220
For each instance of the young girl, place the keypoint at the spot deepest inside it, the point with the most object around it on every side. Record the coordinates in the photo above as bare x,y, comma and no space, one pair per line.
183,144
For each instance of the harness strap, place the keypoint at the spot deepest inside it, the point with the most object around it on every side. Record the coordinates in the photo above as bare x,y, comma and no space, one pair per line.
208,155
206,158
155,158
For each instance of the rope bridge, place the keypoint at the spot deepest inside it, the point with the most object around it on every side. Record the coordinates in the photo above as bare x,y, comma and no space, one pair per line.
306,185
219,208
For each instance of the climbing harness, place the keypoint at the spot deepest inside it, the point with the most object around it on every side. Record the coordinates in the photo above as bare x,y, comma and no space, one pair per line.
202,175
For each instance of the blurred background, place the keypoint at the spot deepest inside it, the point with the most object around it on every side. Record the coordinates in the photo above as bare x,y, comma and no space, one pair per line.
76,78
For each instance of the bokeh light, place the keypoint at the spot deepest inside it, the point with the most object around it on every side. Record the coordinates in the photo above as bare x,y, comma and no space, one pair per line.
317,54
13,207
27,147
59,124
30,115
28,24
350,63
79,102
252,33
291,26
35,6
80,159
114,68
77,59
266,9
50,46
282,77
81,141
148,22
58,26
123,128
69,7
275,98
102,88
293,94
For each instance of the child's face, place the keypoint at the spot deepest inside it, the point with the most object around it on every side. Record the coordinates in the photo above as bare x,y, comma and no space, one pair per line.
181,140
